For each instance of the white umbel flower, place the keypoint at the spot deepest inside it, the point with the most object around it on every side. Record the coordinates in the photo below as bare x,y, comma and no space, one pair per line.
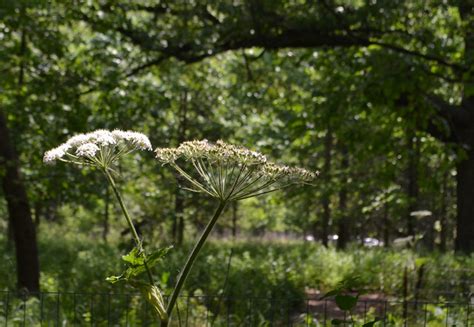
230,172
99,148
138,140
56,153
103,138
87,150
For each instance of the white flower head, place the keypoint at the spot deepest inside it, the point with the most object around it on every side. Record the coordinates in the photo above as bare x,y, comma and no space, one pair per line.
99,148
56,153
138,140
230,172
87,150
103,138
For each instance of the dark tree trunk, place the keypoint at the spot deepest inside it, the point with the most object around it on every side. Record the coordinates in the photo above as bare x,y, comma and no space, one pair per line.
21,223
465,203
23,228
343,221
326,200
465,131
443,214
412,180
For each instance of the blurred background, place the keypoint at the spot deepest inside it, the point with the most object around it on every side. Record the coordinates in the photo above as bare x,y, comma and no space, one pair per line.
377,95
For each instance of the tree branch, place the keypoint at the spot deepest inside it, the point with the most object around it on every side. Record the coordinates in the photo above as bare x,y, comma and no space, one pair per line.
146,65
449,122
413,53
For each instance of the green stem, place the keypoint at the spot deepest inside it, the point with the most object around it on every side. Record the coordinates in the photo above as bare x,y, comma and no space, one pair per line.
129,221
192,257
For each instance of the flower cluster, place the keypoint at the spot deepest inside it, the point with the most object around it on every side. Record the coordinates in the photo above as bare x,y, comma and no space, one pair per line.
219,152
229,172
101,147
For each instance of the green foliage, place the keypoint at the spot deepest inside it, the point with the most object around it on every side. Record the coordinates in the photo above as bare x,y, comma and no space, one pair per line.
74,67
137,262
279,270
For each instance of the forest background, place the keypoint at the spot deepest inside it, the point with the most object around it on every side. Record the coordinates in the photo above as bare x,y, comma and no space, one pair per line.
377,95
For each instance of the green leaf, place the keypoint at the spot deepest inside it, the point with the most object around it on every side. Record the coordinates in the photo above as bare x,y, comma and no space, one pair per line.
346,302
134,271
115,279
156,256
337,322
136,262
134,257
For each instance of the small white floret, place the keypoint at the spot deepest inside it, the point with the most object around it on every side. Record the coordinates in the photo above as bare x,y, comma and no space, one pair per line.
56,153
87,150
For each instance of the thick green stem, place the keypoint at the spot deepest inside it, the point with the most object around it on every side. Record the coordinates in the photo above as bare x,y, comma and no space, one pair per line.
129,221
191,258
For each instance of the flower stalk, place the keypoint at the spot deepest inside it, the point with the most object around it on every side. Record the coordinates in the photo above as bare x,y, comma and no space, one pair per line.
136,237
192,257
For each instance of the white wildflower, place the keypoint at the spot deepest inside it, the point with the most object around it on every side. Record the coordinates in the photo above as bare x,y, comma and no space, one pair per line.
56,153
139,140
85,148
78,140
230,172
103,137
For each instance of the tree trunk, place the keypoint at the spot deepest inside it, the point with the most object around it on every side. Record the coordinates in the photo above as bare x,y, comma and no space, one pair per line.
21,223
412,180
443,214
465,131
23,228
326,201
465,203
342,225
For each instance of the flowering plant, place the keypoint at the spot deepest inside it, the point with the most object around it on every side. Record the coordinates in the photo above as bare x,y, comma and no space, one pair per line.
222,171
102,149
227,173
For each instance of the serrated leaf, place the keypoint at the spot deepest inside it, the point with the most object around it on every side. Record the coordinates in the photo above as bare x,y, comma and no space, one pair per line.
157,255
134,257
346,302
134,271
136,261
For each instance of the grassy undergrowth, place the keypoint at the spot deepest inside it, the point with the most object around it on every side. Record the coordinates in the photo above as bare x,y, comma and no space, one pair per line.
77,262
247,271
